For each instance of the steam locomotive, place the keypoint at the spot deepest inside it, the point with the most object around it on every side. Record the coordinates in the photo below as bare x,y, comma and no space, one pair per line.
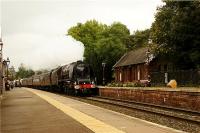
73,78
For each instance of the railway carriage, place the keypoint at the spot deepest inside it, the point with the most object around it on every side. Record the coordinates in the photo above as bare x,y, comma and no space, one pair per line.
36,81
45,81
24,82
54,76
29,82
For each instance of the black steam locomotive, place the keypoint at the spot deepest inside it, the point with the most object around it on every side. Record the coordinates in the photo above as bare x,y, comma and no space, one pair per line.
74,78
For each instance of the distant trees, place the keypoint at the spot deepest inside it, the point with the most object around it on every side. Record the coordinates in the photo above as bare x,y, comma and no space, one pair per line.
40,71
24,72
11,73
138,39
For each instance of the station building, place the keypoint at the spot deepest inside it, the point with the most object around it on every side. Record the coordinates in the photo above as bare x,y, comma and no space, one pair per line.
142,65
138,64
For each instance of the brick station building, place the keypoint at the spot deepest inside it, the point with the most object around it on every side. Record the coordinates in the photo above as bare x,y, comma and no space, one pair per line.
132,66
138,64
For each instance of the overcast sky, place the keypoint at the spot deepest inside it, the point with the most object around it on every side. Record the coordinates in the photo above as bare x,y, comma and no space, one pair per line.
33,31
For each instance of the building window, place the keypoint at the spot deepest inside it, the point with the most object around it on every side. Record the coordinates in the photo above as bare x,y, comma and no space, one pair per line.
138,72
120,76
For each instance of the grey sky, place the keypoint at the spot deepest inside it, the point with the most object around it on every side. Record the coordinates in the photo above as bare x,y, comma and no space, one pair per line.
33,31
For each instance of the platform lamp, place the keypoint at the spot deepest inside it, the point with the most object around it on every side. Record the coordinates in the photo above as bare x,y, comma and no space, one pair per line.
148,56
1,47
7,63
103,66
1,67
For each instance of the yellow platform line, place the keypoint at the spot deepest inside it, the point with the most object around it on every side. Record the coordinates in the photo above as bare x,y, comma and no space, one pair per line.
93,124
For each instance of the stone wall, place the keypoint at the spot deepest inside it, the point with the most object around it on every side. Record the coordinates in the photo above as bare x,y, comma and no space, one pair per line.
180,98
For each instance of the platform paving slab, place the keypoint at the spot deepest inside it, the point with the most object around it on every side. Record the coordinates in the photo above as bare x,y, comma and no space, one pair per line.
24,112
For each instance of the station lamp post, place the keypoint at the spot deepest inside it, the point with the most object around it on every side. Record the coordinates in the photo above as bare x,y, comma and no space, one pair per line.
148,57
8,63
1,68
148,62
103,66
1,47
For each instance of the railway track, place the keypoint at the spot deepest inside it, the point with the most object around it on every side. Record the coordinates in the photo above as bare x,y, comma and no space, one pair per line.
177,113
180,119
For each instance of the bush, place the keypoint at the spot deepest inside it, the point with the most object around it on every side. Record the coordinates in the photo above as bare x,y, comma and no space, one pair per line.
127,84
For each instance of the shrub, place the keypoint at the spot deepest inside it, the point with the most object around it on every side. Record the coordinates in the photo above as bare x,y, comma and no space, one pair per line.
127,84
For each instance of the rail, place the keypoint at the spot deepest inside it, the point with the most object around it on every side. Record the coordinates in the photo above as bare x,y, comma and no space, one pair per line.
162,110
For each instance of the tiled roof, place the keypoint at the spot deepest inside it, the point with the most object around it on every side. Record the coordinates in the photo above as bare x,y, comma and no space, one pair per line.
136,56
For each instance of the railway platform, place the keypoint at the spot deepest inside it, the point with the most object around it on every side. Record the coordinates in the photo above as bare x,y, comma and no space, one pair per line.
28,110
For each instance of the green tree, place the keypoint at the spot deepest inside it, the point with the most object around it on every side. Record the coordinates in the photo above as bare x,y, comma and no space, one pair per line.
87,33
12,73
112,46
41,71
176,31
102,44
24,72
138,39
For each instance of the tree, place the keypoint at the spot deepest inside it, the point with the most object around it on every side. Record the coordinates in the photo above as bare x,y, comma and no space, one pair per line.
102,44
12,73
24,72
87,33
41,71
112,46
138,39
176,31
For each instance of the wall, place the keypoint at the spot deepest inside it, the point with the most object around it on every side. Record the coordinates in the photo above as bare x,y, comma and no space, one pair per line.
130,73
2,80
180,98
